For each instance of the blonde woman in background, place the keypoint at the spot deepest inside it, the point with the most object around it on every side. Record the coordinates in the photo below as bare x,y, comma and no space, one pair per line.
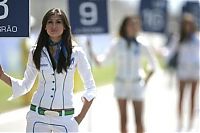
183,54
187,64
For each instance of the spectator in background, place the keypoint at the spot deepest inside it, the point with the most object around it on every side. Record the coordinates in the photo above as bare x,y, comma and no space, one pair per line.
184,57
187,63
129,83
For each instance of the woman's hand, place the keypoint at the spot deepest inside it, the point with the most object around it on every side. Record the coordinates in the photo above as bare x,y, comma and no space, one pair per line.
84,110
91,53
4,77
1,71
148,77
78,119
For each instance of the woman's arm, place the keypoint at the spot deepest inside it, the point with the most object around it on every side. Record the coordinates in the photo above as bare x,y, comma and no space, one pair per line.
21,87
151,63
167,52
89,84
91,54
100,59
4,77
84,110
150,73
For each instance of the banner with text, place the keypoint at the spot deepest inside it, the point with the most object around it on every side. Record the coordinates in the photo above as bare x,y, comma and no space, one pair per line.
154,15
88,16
14,18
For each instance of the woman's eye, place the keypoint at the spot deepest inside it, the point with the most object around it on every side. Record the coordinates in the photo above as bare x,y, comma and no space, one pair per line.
59,22
49,22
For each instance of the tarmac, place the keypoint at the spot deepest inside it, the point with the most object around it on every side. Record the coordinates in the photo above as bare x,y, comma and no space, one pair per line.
160,110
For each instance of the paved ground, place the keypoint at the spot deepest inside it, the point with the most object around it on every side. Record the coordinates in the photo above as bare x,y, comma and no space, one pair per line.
159,117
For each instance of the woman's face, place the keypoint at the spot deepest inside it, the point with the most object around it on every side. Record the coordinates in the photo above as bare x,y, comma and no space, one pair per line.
55,27
188,26
133,27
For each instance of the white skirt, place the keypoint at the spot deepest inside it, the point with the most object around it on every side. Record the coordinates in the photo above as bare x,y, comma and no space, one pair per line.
185,72
129,90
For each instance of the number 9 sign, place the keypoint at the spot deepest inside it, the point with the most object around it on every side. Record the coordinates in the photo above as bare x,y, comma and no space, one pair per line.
88,16
88,12
5,7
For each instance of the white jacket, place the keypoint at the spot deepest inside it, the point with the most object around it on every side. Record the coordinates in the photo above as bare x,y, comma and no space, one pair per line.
55,91
128,59
188,60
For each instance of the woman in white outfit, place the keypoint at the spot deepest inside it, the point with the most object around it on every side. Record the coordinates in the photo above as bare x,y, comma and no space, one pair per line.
129,83
54,60
187,48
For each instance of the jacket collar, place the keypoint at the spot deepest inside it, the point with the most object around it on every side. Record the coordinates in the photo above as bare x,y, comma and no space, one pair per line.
44,49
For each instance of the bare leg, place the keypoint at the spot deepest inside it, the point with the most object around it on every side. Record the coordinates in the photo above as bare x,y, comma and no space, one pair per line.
194,86
181,93
122,103
138,107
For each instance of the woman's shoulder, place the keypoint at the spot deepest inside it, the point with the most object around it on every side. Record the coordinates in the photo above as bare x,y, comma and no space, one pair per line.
74,43
33,48
142,40
76,48
119,40
196,38
78,52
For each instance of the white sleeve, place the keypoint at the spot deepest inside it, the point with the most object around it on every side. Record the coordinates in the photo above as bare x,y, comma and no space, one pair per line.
169,51
150,58
109,53
86,76
21,87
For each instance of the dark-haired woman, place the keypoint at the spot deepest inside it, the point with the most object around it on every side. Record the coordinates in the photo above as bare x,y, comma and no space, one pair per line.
54,59
129,83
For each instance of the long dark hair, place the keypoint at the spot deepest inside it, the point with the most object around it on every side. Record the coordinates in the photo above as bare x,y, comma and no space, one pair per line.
43,41
122,29
187,18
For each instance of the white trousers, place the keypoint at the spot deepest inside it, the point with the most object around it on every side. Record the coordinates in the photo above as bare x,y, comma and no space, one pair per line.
57,124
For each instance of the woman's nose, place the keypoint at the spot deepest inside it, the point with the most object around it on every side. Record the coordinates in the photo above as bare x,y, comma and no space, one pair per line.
54,25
